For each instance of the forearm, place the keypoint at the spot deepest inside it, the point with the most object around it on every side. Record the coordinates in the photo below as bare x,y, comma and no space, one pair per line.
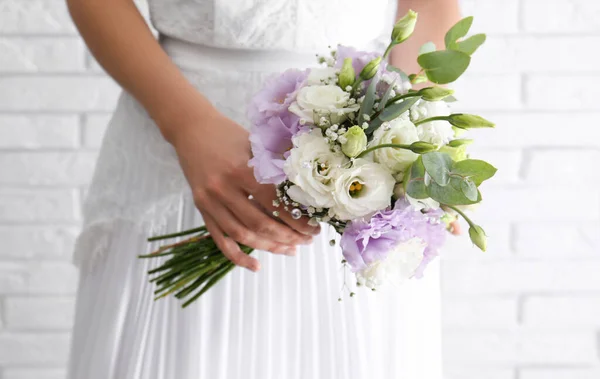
122,43
435,18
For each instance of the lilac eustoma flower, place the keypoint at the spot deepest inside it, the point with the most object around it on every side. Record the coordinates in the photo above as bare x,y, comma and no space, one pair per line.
273,125
365,242
359,58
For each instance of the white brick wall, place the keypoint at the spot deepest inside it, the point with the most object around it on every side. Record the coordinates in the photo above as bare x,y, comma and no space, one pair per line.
527,309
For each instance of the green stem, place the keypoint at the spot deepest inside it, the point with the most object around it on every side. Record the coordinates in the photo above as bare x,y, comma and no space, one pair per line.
215,278
178,234
401,97
436,118
388,50
394,145
467,219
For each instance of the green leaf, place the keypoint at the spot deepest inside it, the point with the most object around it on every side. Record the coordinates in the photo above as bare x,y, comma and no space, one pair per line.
414,180
393,111
471,44
386,96
416,79
451,99
450,195
367,104
459,30
438,166
427,48
443,67
469,189
477,170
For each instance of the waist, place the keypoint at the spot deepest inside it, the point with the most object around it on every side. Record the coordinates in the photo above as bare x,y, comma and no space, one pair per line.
193,56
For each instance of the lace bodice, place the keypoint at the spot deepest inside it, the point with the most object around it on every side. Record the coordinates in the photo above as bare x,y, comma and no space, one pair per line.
300,25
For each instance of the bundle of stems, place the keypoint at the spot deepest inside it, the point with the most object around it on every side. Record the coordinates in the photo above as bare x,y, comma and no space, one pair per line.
193,266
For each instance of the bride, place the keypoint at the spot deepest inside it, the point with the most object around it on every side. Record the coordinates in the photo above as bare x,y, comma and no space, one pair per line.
177,145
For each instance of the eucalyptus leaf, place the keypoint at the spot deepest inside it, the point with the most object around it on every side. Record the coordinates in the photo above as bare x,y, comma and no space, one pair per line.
477,170
438,165
449,195
414,180
459,30
450,99
386,96
471,44
427,48
443,67
394,111
469,189
367,105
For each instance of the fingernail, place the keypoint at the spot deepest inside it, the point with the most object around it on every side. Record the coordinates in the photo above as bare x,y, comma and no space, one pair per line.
290,251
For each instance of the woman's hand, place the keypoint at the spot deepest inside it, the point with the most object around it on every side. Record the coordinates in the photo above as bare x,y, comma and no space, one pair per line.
214,152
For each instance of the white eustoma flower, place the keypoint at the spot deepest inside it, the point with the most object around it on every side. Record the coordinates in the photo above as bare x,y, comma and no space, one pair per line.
321,75
313,102
400,131
361,190
400,264
435,132
312,167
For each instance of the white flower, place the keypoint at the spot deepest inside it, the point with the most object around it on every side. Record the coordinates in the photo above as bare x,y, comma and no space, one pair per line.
361,190
312,167
316,101
435,132
400,131
318,76
399,265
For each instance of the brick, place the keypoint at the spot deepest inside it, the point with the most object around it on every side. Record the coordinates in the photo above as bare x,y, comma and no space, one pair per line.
554,311
56,93
562,92
520,347
41,168
476,312
39,313
492,17
18,204
559,239
509,54
41,55
540,129
577,166
508,163
462,278
35,242
35,17
537,203
488,92
559,373
34,373
38,131
34,348
561,16
460,372
49,278
94,127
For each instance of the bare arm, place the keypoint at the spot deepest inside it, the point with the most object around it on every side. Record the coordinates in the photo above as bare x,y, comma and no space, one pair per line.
435,18
213,150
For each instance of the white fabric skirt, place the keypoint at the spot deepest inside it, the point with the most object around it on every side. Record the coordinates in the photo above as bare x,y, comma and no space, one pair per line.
284,322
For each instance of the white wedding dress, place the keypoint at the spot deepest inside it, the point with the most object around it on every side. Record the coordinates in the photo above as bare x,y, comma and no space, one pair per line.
282,323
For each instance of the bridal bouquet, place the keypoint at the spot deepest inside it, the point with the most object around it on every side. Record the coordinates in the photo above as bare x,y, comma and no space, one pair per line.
351,144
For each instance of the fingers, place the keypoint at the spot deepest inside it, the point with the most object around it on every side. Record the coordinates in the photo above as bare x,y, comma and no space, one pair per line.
260,223
234,229
229,247
265,195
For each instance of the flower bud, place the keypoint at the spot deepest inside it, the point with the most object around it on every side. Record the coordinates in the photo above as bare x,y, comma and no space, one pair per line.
421,147
404,27
435,93
478,237
467,121
370,69
347,75
355,141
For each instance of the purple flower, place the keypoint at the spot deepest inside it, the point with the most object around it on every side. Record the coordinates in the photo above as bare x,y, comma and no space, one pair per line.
365,242
276,96
359,58
273,125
